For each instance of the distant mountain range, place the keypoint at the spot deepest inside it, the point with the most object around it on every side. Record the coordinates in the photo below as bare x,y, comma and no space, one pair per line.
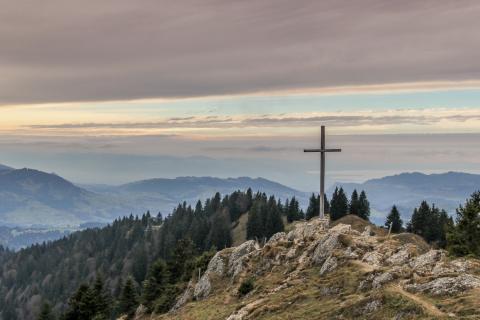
34,198
407,190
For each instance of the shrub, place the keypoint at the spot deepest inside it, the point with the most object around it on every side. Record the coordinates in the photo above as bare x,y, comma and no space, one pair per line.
246,286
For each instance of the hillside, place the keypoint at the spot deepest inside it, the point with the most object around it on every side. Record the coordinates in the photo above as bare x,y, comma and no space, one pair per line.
338,273
27,194
407,190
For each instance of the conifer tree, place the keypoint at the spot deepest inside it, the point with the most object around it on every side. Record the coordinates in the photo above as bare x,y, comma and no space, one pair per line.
354,206
220,235
364,206
313,207
338,204
101,298
464,238
46,312
128,299
273,223
293,210
254,222
155,284
394,220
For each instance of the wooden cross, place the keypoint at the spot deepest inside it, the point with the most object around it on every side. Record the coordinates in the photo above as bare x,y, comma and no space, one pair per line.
322,152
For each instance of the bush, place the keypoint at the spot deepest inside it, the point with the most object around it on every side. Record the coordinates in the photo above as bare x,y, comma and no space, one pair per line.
246,286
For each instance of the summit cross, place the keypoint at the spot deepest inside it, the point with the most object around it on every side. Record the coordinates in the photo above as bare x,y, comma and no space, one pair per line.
322,152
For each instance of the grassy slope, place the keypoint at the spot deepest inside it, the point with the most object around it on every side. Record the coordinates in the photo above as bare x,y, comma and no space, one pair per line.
332,296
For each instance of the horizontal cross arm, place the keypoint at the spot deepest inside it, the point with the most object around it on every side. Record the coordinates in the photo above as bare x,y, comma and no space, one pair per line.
322,150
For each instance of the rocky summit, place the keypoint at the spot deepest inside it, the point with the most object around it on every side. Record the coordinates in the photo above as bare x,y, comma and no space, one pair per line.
349,270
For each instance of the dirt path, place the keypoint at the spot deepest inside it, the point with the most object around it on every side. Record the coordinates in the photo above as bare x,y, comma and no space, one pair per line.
430,308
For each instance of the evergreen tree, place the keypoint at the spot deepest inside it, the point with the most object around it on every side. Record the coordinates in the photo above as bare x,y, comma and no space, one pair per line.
394,220
430,223
293,210
313,207
464,237
420,221
254,223
338,204
364,206
273,223
326,204
354,206
178,266
101,298
81,305
46,312
128,299
220,235
155,284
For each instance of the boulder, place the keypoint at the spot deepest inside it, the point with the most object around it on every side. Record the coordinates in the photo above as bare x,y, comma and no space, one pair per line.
425,263
382,279
447,285
402,256
277,237
373,258
329,265
186,296
216,266
238,255
324,247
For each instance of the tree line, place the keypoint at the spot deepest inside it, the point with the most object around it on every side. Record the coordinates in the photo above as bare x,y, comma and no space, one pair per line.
460,237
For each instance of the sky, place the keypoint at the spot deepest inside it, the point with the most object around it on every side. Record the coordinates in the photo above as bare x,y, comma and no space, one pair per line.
114,91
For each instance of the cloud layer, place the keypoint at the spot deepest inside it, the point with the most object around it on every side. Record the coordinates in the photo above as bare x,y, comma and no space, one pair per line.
113,50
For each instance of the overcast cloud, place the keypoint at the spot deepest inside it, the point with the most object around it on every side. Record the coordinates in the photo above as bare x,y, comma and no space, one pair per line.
61,50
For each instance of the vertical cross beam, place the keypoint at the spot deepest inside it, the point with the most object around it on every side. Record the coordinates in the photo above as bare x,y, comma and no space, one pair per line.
322,173
322,152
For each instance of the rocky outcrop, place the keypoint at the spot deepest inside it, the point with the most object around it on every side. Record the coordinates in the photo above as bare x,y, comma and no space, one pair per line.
185,297
380,264
239,255
447,285
216,266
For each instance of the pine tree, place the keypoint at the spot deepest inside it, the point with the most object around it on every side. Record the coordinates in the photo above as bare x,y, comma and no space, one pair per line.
354,206
101,298
46,312
254,223
394,220
128,299
313,207
274,221
420,220
155,284
430,223
338,204
364,206
220,235
464,238
293,210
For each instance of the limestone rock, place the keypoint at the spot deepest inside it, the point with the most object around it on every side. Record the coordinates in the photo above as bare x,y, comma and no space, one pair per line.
237,257
426,262
447,285
341,228
329,265
401,257
373,258
372,306
216,266
141,312
277,237
186,296
367,232
382,279
324,247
